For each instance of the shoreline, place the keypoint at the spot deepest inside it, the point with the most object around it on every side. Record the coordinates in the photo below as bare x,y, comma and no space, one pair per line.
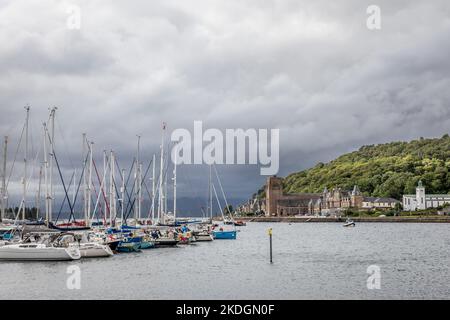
443,219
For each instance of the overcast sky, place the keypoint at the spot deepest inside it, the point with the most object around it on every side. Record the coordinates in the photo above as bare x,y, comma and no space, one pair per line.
310,68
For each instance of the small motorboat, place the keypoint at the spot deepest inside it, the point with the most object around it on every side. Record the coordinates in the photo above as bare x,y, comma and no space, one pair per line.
240,223
221,234
349,223
38,252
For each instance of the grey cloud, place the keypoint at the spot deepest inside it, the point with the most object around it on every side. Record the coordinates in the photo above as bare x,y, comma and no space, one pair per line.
312,69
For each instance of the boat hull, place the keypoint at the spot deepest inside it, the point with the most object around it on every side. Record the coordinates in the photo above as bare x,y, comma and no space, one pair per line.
231,235
113,244
129,247
349,224
29,253
147,245
95,250
166,242
204,237
68,228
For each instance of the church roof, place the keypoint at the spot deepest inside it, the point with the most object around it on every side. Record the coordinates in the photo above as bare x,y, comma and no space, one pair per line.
356,191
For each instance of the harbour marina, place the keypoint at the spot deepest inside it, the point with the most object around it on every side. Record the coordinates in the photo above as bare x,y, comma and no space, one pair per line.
310,261
112,218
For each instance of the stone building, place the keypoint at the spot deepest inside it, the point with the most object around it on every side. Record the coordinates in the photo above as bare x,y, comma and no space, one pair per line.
422,201
326,203
254,206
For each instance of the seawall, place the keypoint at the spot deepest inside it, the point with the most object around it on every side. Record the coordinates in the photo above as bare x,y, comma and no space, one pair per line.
411,219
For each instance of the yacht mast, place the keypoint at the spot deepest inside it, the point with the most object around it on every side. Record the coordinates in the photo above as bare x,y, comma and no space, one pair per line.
84,163
165,193
52,149
138,180
74,191
153,188
112,198
210,192
122,191
160,194
104,186
175,187
47,195
89,188
38,202
3,190
25,160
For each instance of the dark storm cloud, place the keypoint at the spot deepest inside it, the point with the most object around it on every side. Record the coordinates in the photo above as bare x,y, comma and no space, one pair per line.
310,68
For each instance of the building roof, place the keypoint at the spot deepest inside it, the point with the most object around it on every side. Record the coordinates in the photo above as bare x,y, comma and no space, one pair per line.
300,196
428,195
380,200
356,191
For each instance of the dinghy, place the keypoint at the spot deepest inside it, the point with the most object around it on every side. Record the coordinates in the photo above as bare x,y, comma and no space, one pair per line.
240,223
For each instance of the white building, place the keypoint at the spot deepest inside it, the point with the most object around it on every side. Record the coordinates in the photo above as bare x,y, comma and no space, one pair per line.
422,201
370,203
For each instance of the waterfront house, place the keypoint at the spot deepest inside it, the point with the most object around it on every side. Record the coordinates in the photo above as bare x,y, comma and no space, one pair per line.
422,201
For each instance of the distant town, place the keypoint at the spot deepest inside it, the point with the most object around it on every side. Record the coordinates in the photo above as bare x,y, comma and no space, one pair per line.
338,202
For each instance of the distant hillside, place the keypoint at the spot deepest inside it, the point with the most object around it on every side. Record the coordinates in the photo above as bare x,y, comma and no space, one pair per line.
385,170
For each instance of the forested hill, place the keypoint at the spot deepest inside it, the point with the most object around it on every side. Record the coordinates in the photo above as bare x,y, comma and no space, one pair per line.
385,170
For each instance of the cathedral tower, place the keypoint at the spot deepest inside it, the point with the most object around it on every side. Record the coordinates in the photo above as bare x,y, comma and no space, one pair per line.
274,191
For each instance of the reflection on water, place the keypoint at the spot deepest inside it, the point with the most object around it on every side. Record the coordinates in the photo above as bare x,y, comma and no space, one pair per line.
311,261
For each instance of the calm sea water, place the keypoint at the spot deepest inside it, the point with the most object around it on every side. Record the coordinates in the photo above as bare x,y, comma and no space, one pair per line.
311,261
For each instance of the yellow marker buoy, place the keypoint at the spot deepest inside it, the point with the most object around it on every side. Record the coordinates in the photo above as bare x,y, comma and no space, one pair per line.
270,239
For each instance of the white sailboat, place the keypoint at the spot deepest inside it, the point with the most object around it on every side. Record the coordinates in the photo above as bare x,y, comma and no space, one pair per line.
93,250
222,233
38,252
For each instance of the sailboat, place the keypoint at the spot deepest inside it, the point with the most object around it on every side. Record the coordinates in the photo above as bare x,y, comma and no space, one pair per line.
221,233
53,248
92,249
38,252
